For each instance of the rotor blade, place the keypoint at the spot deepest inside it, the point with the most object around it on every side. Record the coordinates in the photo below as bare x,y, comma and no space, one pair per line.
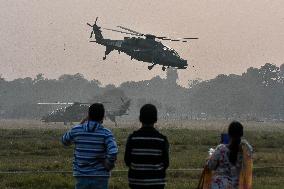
82,103
96,20
121,31
178,39
91,34
55,103
190,38
89,25
160,37
130,30
89,103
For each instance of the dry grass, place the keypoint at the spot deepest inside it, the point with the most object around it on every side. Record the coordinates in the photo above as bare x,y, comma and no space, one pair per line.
32,145
218,125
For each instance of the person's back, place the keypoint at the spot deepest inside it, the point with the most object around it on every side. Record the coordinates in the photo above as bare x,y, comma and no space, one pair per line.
146,155
94,153
228,161
223,169
90,139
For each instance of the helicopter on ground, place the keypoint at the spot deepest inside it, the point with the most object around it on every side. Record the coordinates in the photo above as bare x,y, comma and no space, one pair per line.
144,47
76,111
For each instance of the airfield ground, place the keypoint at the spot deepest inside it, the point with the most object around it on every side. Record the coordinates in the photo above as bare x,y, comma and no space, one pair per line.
32,146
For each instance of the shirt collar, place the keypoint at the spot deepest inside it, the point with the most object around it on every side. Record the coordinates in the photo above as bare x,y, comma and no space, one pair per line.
92,125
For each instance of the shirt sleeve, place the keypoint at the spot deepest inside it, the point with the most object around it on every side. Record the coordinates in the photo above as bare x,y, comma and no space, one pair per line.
127,154
111,149
213,161
166,154
68,138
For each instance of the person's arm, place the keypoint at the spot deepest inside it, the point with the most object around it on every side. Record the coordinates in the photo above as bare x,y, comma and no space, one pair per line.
127,154
67,139
111,150
213,160
166,154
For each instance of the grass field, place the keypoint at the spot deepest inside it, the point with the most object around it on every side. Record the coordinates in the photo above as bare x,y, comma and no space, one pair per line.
24,148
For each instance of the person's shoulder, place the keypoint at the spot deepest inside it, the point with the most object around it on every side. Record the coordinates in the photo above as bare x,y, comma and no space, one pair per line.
246,146
78,127
221,147
134,133
161,135
105,130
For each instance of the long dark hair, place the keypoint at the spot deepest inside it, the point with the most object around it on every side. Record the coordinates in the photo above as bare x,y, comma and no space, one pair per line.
235,132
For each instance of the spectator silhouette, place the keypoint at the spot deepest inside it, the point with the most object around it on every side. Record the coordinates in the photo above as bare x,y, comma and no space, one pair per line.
230,165
95,150
147,153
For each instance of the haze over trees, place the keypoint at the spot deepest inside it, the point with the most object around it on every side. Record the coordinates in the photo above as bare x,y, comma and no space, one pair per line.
257,94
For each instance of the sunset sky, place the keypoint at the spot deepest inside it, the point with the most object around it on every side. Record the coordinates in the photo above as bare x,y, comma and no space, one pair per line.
51,37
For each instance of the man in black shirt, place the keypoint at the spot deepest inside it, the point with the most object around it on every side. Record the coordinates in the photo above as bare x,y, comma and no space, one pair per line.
147,153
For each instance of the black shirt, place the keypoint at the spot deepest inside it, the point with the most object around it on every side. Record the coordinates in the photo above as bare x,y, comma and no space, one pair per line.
147,156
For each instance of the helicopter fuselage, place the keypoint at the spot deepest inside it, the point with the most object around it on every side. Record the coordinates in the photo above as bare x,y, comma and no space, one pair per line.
146,50
142,49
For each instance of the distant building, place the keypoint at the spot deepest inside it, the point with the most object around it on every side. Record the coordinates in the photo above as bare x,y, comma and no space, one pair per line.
172,76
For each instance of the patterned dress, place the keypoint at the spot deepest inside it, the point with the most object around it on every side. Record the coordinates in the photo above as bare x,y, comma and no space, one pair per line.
226,175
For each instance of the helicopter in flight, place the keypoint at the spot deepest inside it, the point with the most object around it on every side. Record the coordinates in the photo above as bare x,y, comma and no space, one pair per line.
76,111
143,47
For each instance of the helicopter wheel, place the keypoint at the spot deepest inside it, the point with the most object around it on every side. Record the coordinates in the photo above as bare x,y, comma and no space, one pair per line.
104,58
163,68
150,67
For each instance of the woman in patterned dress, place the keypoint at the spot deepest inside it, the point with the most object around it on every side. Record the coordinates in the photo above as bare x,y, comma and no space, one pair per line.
231,163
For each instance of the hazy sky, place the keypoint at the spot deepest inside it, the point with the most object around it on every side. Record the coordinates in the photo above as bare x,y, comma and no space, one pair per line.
233,35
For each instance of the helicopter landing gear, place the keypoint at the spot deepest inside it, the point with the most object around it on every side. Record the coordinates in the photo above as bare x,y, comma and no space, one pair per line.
108,50
150,67
163,68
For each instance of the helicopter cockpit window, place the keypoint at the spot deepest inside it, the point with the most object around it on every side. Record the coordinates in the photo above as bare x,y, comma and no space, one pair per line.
172,51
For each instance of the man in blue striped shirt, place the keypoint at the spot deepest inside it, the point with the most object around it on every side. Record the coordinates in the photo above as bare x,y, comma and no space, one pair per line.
95,150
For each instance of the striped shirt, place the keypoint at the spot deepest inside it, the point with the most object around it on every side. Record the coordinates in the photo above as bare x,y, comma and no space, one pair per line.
95,149
147,156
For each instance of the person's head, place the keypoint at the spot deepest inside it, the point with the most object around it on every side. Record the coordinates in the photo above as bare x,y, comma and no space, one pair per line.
148,114
235,132
96,112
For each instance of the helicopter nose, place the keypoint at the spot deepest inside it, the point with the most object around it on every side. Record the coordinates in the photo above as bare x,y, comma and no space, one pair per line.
184,64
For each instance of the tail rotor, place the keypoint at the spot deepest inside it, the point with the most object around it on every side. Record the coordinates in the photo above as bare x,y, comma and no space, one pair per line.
93,26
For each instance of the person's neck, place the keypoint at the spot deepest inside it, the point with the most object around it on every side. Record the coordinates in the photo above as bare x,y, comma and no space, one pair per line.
100,122
147,125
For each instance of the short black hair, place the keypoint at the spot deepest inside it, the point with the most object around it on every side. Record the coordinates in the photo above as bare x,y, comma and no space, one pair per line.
96,112
148,114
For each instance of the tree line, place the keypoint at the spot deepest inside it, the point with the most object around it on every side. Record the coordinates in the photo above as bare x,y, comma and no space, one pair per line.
257,94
